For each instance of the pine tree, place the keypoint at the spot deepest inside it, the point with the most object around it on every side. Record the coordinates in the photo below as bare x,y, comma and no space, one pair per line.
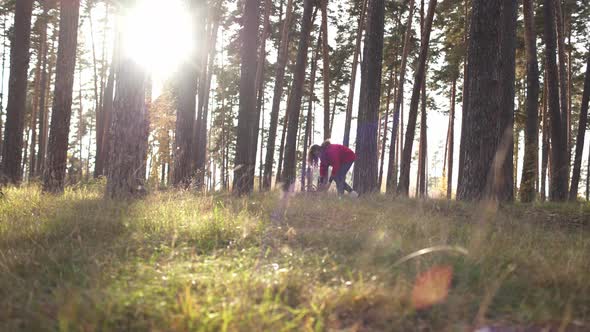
294,104
404,178
57,149
558,173
531,154
17,94
581,135
282,58
245,160
124,175
486,152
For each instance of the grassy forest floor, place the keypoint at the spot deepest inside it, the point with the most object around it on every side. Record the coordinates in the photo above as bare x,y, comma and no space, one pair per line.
179,261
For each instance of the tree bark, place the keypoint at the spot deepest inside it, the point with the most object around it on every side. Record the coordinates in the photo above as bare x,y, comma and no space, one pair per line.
366,171
404,180
41,59
531,148
393,165
314,67
355,59
421,173
17,94
545,146
558,184
57,150
204,96
104,134
487,170
504,181
581,135
294,106
124,180
282,59
186,107
451,141
465,103
563,87
326,72
384,141
260,70
248,117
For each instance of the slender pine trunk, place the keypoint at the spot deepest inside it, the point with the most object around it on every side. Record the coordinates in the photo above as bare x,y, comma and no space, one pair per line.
282,59
451,141
531,148
355,61
57,150
393,164
17,94
404,181
581,135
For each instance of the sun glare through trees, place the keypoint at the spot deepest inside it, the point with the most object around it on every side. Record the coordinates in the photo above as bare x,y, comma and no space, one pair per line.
158,35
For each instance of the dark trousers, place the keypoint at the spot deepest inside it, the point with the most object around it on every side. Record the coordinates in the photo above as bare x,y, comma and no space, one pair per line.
340,179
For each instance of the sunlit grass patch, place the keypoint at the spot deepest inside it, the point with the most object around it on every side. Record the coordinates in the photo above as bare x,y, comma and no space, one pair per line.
177,261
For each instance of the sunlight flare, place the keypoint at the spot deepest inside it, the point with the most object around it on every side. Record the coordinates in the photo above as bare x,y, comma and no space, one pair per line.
158,35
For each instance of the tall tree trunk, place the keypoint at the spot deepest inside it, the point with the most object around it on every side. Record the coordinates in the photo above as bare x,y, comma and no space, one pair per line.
126,157
261,162
17,94
531,148
80,119
294,106
2,70
355,59
326,72
282,59
465,103
366,171
421,183
97,96
282,148
588,179
57,150
451,141
404,180
581,135
248,117
545,146
104,133
558,184
204,93
186,106
504,181
314,66
43,104
260,71
42,54
487,171
384,141
393,165
563,87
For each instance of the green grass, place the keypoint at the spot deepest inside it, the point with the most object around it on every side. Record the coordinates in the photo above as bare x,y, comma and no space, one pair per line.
177,261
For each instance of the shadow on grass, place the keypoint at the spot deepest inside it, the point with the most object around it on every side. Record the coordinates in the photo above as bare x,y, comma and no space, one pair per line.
54,246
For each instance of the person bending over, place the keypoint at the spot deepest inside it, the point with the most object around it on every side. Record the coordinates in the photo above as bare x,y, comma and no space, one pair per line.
340,158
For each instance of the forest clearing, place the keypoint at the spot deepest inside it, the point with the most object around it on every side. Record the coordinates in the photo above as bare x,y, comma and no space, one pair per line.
295,165
180,261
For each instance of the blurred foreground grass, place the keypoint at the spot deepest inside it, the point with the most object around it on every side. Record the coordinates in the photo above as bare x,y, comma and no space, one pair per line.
177,261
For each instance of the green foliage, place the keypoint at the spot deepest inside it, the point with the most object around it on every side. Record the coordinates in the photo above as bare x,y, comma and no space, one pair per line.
176,261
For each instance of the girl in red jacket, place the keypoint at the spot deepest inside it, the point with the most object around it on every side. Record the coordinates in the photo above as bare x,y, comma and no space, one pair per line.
340,158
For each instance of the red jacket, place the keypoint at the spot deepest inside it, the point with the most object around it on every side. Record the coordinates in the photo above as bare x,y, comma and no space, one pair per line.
335,155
